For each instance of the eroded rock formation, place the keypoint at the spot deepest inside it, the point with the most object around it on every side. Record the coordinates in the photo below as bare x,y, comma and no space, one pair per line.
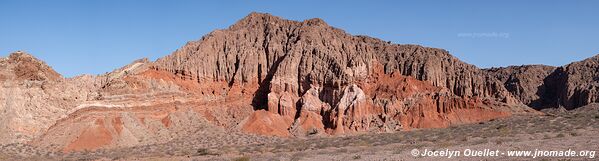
313,76
570,86
270,76
527,83
32,97
576,84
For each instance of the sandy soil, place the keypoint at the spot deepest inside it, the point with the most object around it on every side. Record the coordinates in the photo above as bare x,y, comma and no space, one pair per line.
575,130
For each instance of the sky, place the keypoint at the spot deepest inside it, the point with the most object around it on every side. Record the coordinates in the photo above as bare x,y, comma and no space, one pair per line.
93,37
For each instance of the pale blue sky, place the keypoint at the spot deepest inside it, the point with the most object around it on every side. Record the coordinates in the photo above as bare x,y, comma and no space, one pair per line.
93,37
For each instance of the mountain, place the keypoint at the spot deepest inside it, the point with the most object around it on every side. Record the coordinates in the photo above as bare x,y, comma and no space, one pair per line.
527,83
576,84
266,78
539,86
29,100
312,76
22,66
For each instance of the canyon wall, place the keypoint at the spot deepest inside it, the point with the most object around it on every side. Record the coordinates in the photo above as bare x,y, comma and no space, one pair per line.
571,86
311,73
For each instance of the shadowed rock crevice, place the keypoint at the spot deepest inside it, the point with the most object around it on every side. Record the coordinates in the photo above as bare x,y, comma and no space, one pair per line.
261,95
553,85
531,84
232,81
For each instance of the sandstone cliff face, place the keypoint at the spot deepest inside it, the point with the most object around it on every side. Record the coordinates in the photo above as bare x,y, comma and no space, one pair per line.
570,86
527,83
26,67
313,71
576,84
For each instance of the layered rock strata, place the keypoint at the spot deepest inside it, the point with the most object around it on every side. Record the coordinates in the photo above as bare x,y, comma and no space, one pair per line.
312,77
269,76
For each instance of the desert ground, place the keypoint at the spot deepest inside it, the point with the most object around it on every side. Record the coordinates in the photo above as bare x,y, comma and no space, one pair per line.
557,130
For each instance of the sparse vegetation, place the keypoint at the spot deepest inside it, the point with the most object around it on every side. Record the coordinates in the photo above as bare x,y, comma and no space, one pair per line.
498,133
398,151
504,130
498,142
202,152
480,141
312,131
244,158
297,156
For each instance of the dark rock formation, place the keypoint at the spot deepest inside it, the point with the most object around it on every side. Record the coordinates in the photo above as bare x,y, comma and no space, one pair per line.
570,86
576,84
527,83
27,67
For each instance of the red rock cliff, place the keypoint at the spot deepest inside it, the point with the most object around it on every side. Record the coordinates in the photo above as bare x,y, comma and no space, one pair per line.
311,73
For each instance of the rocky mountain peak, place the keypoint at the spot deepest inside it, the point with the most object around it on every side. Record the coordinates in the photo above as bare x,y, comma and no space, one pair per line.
21,55
26,67
592,61
315,22
255,19
278,61
259,15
